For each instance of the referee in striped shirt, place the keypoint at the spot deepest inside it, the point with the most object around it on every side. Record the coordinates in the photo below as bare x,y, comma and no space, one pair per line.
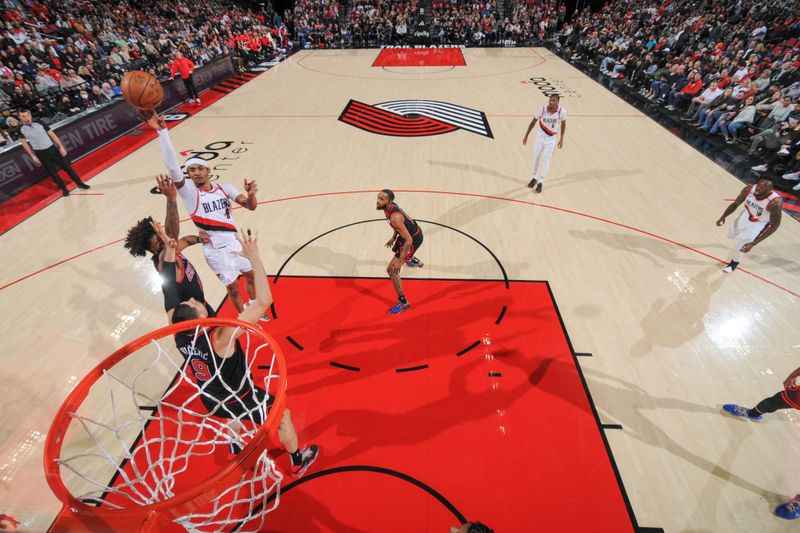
45,148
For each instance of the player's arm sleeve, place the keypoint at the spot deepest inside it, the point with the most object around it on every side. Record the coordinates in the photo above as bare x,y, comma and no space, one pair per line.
169,157
169,286
186,189
231,190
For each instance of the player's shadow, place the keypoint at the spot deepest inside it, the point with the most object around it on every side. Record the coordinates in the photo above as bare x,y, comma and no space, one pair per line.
332,262
377,360
633,404
308,515
641,245
676,323
375,429
584,176
475,169
77,210
636,408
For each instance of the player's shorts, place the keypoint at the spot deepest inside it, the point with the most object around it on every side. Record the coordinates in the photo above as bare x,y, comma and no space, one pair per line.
416,242
745,231
247,407
792,397
225,263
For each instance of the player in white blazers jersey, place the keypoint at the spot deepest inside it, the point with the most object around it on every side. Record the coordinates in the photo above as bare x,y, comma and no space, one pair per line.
552,120
210,208
760,219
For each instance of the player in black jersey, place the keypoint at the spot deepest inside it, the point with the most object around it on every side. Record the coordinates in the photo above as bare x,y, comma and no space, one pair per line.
142,238
218,362
405,241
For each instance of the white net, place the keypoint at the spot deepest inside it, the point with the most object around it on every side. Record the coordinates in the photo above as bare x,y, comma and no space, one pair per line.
134,442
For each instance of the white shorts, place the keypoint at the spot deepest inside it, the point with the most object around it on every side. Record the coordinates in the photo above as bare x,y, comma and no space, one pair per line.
745,231
225,263
543,140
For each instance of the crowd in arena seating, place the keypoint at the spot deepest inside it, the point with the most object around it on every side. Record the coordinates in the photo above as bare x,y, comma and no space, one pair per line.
59,58
730,68
392,22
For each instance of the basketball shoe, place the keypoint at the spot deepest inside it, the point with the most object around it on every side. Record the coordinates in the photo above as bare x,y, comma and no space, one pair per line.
739,411
532,183
308,455
789,510
730,267
415,263
399,308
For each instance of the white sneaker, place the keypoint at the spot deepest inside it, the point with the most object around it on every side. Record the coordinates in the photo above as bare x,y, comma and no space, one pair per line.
796,187
783,151
791,176
759,168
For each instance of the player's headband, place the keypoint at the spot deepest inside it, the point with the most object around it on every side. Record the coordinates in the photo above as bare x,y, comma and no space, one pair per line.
196,161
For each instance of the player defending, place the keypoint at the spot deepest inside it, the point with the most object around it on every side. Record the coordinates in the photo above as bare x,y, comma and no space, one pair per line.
142,238
760,219
210,209
405,241
552,118
220,366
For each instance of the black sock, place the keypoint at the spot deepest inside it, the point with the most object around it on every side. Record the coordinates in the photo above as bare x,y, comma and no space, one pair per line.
402,299
752,413
296,456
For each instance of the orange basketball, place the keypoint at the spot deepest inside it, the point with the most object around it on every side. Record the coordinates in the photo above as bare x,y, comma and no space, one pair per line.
141,89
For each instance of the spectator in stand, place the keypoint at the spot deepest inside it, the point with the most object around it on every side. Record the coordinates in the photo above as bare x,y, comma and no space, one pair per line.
744,118
692,88
703,101
107,92
185,67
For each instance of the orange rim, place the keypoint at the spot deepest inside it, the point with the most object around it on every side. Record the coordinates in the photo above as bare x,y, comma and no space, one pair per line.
181,504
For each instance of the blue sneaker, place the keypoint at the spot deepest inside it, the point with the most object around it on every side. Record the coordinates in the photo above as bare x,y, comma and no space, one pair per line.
738,410
789,510
415,263
399,308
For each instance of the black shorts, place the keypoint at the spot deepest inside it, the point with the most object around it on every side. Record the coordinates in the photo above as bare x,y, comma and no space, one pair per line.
246,407
416,242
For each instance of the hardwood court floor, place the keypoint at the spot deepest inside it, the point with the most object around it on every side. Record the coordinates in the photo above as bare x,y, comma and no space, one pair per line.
623,232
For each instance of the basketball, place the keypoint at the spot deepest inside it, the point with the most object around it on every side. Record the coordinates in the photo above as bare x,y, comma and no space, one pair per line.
141,89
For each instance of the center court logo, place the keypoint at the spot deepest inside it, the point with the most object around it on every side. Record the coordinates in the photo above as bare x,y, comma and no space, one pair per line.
415,118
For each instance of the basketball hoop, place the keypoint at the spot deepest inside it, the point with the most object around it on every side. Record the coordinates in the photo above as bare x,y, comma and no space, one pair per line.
124,454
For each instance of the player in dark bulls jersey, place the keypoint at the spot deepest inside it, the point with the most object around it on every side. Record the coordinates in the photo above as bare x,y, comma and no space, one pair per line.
219,364
142,238
405,241
788,398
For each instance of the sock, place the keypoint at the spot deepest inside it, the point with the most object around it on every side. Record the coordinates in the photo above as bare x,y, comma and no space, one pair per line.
296,456
402,299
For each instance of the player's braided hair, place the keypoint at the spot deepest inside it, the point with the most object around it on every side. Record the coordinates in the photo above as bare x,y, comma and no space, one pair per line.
138,239
389,193
477,527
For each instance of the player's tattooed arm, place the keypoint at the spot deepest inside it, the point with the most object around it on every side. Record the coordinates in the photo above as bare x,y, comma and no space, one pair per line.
172,221
733,206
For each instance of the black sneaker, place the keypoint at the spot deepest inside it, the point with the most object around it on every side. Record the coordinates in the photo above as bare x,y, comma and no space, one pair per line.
532,183
309,455
539,187
731,267
82,185
64,192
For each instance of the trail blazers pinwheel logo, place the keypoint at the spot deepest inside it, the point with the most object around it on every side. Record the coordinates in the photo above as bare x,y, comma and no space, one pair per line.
415,118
